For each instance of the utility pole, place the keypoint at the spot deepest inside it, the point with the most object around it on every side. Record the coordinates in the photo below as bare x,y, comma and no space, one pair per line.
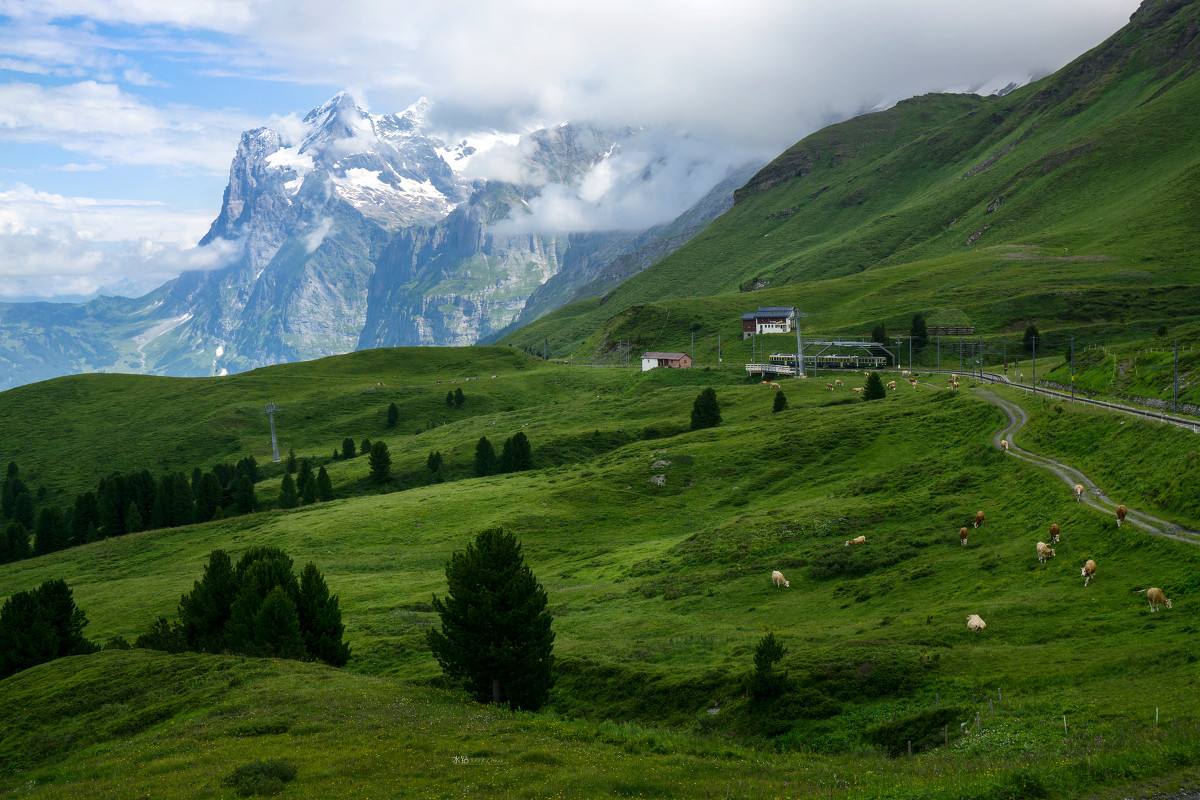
1175,383
1072,367
799,346
910,354
546,349
939,352
1033,339
898,351
693,353
271,409
718,348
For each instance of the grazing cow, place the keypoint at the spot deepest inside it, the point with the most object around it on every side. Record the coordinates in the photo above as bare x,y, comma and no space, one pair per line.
838,383
1121,512
1079,492
857,540
904,373
1088,572
1004,445
775,385
962,536
1156,598
912,382
979,518
1044,552
857,389
891,385
975,622
780,581
1055,532
829,386
954,376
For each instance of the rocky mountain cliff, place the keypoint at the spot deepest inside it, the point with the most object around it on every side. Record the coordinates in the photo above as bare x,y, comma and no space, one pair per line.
355,230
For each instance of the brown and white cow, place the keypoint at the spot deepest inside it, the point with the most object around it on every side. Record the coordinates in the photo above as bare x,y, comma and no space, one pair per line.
1044,552
962,536
1121,512
1004,445
1156,598
979,518
1079,492
1088,572
1055,533
857,540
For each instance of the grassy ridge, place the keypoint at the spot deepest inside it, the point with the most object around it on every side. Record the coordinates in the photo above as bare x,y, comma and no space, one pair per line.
1068,202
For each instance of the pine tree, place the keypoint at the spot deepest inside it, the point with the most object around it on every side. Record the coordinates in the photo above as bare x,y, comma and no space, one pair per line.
244,500
324,486
434,462
766,682
449,399
287,492
879,334
11,487
517,454
348,448
1030,338
290,464
873,389
781,403
49,534
306,483
365,447
277,627
495,635
133,518
321,619
14,545
706,412
23,510
393,415
381,463
485,457
40,625
459,398
182,511
919,331
259,571
208,499
204,612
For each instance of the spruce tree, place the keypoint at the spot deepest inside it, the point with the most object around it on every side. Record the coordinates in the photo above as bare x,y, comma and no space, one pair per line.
781,403
182,511
277,627
259,571
879,334
348,448
495,636
244,500
381,463
485,457
919,331
23,510
14,545
873,390
49,535
516,455
324,485
133,518
204,612
393,415
365,447
287,492
208,500
321,619
766,682
306,483
290,464
434,462
706,412
449,399
459,398
39,626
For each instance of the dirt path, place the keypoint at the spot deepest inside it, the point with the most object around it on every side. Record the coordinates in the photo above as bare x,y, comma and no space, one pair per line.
1093,495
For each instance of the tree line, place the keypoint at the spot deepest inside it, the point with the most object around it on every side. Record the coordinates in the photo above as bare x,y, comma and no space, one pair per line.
123,503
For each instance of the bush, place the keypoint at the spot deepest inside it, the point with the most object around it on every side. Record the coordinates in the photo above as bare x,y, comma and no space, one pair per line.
261,777
781,402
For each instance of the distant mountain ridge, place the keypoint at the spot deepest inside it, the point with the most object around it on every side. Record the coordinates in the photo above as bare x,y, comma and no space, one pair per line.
354,230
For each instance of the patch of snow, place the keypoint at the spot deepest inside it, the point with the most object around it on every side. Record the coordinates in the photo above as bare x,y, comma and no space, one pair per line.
290,158
458,156
154,331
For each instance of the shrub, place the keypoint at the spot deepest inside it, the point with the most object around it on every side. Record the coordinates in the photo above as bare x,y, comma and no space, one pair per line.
261,777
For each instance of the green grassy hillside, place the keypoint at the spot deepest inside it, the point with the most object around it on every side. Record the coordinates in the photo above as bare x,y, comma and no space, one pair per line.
1070,203
659,595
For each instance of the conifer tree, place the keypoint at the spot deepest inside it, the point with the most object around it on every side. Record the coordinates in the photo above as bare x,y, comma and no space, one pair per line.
290,464
49,534
306,483
381,463
23,510
324,485
133,518
781,402
277,627
258,572
919,331
204,612
348,448
873,390
244,500
393,415
182,511
766,682
449,399
485,457
879,334
14,545
495,635
365,447
459,398
287,492
434,462
208,500
321,619
41,625
1030,338
706,412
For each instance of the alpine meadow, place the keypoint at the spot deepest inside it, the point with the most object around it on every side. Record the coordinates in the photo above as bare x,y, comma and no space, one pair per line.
472,452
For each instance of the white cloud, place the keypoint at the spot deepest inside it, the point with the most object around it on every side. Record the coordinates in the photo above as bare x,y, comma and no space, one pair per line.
75,167
52,244
313,239
108,124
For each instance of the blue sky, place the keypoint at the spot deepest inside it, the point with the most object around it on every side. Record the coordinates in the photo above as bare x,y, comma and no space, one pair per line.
118,118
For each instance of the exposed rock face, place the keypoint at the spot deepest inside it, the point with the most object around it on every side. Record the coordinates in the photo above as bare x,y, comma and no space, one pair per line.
357,230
